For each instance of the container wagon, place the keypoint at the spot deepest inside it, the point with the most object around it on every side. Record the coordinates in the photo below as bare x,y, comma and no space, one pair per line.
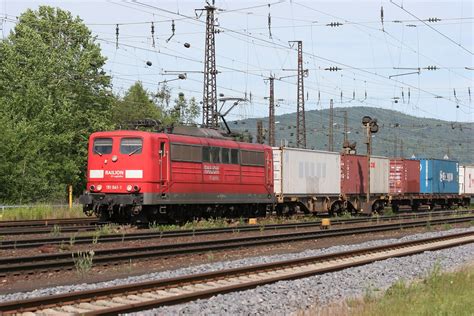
320,181
438,184
306,180
354,182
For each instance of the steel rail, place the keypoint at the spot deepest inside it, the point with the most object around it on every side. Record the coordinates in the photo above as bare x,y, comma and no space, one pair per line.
31,243
58,261
151,294
47,222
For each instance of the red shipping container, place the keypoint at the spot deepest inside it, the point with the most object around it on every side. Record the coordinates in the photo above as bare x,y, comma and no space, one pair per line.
353,174
404,176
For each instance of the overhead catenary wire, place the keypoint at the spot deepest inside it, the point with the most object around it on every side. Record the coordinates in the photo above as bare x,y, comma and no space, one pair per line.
431,27
345,93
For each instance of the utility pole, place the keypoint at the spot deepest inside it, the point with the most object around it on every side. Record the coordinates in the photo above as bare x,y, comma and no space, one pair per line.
260,135
209,104
331,126
300,113
271,113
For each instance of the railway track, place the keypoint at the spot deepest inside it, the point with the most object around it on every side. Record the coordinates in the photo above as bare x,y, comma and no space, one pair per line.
65,260
152,294
45,226
74,225
36,242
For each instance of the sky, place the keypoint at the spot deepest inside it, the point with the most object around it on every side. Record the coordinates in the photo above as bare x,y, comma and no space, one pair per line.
379,64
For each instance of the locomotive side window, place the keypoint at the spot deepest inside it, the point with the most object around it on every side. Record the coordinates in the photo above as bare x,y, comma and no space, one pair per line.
215,155
234,156
252,158
130,146
181,152
206,154
102,146
225,155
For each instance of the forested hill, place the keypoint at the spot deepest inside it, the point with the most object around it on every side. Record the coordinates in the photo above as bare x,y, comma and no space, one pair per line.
422,137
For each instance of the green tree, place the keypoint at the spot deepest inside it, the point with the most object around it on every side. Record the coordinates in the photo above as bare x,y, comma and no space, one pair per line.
185,111
139,104
53,94
136,104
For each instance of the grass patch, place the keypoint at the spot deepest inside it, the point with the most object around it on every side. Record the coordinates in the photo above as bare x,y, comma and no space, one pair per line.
55,231
439,294
222,223
83,261
40,211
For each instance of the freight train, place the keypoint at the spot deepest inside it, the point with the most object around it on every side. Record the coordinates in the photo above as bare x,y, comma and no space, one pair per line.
138,176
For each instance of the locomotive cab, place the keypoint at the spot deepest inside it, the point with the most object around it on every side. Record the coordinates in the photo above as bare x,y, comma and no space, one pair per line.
122,167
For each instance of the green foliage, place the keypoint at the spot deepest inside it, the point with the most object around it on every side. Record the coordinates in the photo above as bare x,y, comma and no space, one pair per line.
83,261
138,104
40,211
53,94
135,105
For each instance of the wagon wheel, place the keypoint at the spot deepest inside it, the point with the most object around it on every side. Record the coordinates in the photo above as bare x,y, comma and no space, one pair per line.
336,209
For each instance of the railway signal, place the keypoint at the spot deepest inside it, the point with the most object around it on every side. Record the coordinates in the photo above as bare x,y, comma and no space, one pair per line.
371,127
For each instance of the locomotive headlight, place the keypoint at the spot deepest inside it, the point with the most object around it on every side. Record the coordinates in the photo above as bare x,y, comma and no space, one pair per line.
92,188
136,188
129,188
99,187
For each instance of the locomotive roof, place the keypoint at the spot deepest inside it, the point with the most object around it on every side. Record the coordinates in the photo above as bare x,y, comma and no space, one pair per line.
182,139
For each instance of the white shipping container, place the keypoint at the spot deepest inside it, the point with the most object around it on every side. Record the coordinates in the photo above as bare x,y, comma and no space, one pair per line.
379,175
468,185
306,172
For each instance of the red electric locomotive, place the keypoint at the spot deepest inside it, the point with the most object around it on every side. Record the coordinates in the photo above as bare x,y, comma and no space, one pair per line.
137,176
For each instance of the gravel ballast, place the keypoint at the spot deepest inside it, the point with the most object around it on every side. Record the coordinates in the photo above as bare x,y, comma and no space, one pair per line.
287,297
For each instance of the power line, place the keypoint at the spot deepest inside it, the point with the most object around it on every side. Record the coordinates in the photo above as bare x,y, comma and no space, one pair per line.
422,21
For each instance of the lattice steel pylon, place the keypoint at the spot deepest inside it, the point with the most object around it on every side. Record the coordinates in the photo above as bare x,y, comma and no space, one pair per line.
300,113
209,102
271,113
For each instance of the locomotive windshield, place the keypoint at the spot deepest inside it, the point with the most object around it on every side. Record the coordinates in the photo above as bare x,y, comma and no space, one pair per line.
102,146
130,146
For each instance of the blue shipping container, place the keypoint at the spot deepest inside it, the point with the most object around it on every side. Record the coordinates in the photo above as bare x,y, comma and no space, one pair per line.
439,176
